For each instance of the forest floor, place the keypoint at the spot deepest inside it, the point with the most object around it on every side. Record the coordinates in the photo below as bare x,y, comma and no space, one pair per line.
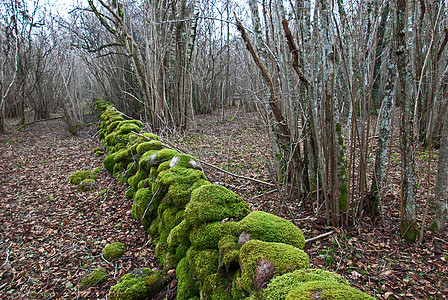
51,235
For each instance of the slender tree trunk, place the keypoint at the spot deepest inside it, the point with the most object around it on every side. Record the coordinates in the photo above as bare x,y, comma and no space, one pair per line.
408,226
385,122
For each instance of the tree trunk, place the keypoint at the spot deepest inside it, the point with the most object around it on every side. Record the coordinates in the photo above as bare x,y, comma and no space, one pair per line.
385,122
408,226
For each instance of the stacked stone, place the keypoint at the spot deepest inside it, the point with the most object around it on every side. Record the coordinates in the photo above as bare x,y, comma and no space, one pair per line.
220,249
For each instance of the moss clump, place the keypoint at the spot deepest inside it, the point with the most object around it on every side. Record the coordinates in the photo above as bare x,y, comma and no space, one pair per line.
79,176
208,235
185,161
92,279
130,192
153,158
178,242
187,286
180,182
216,287
139,284
284,259
98,151
202,262
408,231
229,252
113,251
329,290
136,178
211,203
109,163
87,185
151,145
270,228
281,286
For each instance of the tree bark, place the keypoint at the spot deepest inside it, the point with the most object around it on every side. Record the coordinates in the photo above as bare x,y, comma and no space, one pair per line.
408,226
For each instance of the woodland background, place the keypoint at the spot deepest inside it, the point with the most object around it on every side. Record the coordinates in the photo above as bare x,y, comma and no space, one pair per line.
351,96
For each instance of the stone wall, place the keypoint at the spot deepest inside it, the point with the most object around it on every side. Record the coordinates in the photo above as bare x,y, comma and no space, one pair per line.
219,248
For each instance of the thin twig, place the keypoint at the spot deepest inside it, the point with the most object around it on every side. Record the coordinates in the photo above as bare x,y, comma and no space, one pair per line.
440,240
168,145
320,236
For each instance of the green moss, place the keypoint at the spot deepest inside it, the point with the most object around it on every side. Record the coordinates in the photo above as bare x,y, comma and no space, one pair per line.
203,262
125,128
187,286
142,200
408,231
171,218
151,145
135,179
132,168
329,290
270,228
208,235
113,125
163,167
145,183
139,284
130,193
97,170
124,156
229,252
109,163
153,158
216,287
87,185
92,279
284,258
434,227
79,176
179,236
181,182
113,251
280,286
214,203
185,161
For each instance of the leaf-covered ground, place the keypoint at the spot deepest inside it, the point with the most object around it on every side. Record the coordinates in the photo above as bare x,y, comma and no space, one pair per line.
51,235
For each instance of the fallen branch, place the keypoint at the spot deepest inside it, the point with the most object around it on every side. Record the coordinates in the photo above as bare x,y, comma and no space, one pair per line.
320,236
38,121
168,145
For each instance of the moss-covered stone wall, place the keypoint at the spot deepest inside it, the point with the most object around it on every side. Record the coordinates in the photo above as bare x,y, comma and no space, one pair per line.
219,248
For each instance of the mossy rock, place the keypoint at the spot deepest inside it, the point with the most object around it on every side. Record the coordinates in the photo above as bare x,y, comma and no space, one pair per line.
151,145
130,192
79,176
142,198
178,242
185,161
111,126
260,261
153,158
328,290
113,251
208,235
139,284
93,278
124,156
132,168
229,249
136,178
145,183
270,228
109,163
181,183
216,287
125,128
211,203
187,286
87,185
203,262
281,286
